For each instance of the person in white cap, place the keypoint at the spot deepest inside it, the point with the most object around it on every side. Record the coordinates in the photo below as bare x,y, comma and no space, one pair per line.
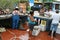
15,18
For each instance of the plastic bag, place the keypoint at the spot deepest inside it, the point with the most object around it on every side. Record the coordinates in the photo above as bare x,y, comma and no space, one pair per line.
24,37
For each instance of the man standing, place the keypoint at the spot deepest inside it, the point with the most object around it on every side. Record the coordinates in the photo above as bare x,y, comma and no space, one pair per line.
15,18
55,21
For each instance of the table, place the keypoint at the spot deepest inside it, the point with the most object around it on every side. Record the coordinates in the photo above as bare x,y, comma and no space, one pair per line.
48,21
6,20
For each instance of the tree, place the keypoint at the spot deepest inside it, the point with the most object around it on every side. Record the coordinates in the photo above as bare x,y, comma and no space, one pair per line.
8,3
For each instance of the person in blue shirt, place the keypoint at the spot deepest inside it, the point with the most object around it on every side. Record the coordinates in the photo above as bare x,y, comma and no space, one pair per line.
31,20
15,18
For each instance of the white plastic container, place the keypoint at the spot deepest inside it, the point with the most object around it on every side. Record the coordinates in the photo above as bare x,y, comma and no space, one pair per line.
2,29
36,31
42,27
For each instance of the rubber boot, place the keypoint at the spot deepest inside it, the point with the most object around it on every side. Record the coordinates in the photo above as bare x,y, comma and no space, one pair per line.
50,33
54,34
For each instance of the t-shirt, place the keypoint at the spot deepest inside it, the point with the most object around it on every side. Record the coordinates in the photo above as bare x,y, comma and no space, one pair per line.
51,12
56,18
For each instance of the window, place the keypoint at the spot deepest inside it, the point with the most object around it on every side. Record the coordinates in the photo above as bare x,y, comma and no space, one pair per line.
57,6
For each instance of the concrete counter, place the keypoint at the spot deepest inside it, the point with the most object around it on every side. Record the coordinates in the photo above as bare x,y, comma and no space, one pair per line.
47,19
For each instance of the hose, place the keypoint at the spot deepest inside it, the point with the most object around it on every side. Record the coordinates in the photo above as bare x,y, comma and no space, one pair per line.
13,38
22,37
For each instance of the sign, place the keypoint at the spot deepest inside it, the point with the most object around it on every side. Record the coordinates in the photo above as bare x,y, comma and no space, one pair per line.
43,22
31,2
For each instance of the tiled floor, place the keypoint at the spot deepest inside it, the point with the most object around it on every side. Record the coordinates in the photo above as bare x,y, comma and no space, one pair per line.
42,36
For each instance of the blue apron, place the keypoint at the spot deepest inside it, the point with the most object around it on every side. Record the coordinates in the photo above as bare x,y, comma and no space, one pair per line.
15,21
